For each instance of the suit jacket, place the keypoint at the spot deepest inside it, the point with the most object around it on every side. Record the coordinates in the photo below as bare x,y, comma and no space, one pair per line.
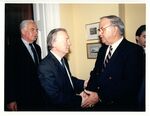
118,84
60,94
21,82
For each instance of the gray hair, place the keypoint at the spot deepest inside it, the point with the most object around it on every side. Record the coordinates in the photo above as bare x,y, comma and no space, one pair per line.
52,36
116,21
24,23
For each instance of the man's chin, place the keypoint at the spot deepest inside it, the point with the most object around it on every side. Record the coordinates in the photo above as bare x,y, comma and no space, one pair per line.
67,51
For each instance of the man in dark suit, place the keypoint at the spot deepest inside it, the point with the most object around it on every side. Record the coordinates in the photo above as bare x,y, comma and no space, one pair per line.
62,89
140,36
22,86
118,70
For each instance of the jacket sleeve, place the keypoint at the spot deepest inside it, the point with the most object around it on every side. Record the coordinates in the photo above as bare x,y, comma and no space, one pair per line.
56,95
95,73
10,69
78,84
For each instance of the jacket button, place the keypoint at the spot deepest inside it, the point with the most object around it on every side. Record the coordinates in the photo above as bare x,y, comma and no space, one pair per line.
110,78
98,87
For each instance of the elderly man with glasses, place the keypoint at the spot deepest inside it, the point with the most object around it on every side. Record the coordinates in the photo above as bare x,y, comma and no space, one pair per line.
118,71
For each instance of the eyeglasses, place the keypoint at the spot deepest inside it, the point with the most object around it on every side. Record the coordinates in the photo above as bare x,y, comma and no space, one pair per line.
103,28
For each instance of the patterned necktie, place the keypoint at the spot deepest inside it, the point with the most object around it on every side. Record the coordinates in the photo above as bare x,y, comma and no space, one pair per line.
34,54
66,70
108,56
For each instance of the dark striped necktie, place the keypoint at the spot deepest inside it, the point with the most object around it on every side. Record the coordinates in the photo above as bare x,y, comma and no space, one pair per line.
108,56
34,54
67,71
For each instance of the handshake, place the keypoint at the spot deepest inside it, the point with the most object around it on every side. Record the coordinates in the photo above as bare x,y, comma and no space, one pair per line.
89,98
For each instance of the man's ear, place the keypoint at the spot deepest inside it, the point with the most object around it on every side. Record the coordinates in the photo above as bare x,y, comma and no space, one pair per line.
115,30
137,39
23,31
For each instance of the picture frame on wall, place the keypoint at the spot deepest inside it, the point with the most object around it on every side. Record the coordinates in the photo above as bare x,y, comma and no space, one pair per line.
92,31
92,50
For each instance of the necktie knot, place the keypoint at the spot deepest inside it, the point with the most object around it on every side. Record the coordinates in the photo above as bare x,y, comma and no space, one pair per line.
30,45
110,48
62,63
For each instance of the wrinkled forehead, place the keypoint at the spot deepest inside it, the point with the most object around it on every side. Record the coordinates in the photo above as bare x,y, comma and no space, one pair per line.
143,34
32,24
60,35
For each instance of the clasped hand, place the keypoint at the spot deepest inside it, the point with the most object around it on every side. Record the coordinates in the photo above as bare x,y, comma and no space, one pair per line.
89,98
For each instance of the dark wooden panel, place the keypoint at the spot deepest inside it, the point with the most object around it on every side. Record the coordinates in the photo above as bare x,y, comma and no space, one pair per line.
14,14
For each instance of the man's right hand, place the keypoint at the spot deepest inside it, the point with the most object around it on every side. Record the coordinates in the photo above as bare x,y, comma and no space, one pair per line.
12,106
91,100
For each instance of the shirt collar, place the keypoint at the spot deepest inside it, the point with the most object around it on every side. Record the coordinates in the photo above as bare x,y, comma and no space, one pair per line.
24,41
116,44
57,57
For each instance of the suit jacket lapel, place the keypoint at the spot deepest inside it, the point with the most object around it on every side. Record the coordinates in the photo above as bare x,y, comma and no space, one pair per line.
58,66
67,66
38,50
117,52
62,77
55,61
25,51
